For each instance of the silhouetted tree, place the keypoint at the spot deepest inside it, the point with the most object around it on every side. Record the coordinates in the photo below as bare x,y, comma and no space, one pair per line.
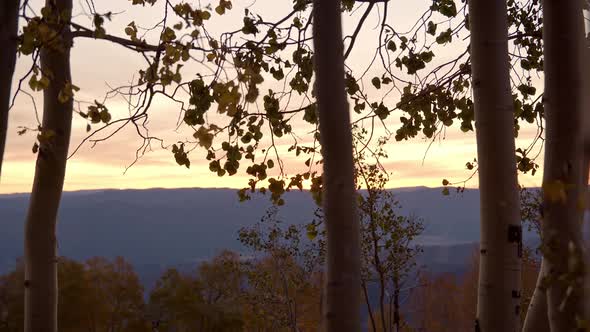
8,45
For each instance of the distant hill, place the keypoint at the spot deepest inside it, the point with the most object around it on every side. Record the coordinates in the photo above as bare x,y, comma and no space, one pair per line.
161,227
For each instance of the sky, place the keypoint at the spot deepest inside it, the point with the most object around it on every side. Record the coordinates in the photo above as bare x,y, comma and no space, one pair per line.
97,66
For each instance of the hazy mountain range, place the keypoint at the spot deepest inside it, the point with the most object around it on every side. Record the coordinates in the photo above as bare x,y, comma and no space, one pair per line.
156,228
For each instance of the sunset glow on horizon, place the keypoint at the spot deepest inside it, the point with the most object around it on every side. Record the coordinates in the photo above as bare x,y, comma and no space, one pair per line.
97,66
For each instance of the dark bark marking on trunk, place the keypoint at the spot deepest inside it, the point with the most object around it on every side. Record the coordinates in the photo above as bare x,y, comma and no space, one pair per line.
515,236
514,233
516,294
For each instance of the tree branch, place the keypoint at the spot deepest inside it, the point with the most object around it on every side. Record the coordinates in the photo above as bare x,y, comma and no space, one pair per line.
359,26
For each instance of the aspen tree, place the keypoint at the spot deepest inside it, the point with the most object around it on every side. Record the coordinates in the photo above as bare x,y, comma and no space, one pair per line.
563,177
501,232
8,43
339,198
54,138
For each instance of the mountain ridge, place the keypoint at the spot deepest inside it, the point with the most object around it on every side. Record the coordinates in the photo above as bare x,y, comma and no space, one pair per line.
177,226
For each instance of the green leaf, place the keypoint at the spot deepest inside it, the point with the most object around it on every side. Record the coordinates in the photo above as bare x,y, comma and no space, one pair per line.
180,155
444,37
376,82
527,90
277,74
67,92
426,56
381,110
204,138
391,46
105,116
312,231
431,30
249,26
348,4
352,86
311,114
445,7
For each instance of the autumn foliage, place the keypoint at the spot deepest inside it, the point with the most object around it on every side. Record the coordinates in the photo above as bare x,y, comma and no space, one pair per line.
96,295
232,293
447,302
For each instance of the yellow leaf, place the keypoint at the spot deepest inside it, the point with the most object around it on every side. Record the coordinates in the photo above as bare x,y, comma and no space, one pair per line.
554,191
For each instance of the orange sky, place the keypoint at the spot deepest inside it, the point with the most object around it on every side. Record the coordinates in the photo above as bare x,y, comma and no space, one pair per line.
97,65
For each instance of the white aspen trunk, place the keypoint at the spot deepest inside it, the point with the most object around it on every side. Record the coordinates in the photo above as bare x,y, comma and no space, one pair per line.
536,318
499,289
537,315
342,310
586,165
563,32
40,238
8,42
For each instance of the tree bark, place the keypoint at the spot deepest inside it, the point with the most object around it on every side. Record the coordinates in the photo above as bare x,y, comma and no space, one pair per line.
342,310
586,165
536,318
40,238
563,33
8,42
369,308
498,305
396,305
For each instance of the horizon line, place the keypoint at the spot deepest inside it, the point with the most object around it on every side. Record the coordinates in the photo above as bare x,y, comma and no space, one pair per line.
188,188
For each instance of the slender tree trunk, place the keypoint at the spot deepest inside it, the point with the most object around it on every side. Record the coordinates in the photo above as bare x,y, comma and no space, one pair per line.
342,311
536,318
498,305
377,260
396,306
8,41
369,308
586,107
40,238
563,32
586,165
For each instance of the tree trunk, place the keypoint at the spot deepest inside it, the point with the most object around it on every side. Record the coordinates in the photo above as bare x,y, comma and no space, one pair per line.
369,308
396,305
586,165
586,108
536,318
563,32
8,41
342,310
40,238
498,305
